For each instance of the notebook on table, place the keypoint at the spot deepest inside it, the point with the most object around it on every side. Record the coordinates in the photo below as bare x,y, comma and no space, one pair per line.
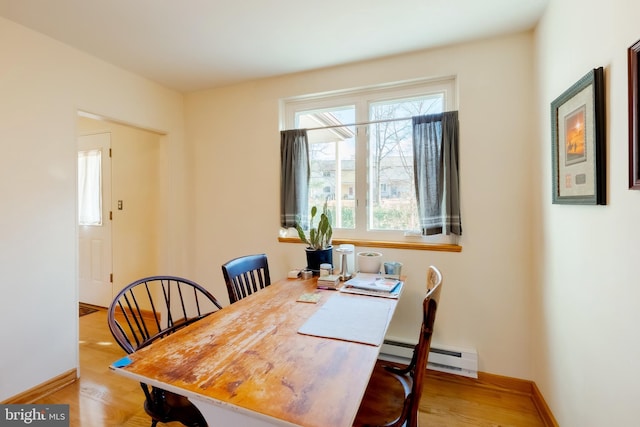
373,285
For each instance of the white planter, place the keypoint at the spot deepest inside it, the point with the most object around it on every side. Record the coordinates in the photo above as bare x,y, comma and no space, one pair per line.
369,262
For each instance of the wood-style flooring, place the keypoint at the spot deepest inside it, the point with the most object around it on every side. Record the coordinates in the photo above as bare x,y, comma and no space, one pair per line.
103,399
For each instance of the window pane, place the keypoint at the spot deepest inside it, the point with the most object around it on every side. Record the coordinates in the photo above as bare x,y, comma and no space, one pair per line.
90,187
392,199
332,156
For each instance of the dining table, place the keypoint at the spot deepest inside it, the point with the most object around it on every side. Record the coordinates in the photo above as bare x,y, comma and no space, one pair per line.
287,355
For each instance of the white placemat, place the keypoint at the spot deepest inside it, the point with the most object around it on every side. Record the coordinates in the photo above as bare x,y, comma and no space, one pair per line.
361,320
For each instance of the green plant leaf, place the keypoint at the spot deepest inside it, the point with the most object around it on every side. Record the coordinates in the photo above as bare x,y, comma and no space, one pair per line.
320,236
301,234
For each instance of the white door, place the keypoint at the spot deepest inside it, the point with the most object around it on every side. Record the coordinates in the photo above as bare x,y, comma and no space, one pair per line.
94,222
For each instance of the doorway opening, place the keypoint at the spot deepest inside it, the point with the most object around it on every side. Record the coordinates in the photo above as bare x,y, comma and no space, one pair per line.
127,247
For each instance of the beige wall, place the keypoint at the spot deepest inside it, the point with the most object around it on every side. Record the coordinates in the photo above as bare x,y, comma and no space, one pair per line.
136,174
586,349
42,86
542,291
234,144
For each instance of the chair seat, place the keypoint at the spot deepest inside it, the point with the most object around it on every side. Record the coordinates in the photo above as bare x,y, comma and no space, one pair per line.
384,398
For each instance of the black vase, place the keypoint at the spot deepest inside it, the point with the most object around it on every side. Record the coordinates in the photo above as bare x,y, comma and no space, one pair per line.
317,257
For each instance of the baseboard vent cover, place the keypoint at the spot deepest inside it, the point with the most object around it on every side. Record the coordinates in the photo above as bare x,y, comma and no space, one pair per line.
442,358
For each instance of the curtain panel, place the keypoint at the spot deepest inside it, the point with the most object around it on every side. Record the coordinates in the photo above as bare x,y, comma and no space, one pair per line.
435,162
90,187
294,177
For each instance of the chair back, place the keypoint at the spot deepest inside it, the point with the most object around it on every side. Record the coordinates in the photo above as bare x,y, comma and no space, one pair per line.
149,309
393,395
246,275
154,307
421,352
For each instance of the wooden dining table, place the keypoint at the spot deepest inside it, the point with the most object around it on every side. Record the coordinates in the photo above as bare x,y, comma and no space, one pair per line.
271,359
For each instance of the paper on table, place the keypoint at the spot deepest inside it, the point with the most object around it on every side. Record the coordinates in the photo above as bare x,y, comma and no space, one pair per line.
372,282
395,293
360,320
121,363
310,297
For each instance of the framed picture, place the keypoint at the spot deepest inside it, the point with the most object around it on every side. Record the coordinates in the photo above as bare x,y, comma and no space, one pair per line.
578,142
633,54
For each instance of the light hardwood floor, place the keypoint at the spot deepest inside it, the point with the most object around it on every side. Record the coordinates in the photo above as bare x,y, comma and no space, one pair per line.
103,399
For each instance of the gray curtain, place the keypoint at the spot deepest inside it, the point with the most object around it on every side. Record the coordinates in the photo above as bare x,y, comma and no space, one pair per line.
435,163
294,177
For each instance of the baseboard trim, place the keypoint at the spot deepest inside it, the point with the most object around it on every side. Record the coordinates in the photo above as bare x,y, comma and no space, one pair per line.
509,384
44,389
543,408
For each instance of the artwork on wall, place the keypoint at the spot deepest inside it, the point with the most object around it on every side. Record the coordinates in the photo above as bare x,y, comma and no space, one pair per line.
578,142
633,58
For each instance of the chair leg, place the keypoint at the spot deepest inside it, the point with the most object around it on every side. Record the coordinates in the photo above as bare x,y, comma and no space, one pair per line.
154,423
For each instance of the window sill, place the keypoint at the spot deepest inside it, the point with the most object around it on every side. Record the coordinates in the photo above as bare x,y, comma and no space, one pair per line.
418,246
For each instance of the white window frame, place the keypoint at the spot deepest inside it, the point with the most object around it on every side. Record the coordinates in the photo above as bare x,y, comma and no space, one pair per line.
361,98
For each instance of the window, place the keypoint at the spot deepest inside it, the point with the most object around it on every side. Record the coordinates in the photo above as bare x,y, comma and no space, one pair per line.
361,154
90,187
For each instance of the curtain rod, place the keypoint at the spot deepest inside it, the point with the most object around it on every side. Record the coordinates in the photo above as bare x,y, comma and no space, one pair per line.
373,122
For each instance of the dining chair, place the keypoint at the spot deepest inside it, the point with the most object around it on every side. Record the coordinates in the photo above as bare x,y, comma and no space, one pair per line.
393,393
245,275
148,310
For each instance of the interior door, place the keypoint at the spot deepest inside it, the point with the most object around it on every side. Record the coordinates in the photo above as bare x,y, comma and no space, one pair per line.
94,228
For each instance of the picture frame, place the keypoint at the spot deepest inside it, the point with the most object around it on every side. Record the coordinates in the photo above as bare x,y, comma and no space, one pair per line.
633,59
578,142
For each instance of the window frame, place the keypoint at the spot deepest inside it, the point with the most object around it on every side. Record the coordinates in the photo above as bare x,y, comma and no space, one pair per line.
361,99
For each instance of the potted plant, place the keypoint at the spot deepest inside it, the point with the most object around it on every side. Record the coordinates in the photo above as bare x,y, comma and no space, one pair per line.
319,249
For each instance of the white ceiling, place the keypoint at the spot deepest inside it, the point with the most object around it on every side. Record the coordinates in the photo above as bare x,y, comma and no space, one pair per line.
197,44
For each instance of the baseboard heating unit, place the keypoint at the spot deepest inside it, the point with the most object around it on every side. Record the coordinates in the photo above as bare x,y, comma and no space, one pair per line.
441,358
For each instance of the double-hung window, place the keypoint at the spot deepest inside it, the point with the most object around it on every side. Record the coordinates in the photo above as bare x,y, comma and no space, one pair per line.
361,154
